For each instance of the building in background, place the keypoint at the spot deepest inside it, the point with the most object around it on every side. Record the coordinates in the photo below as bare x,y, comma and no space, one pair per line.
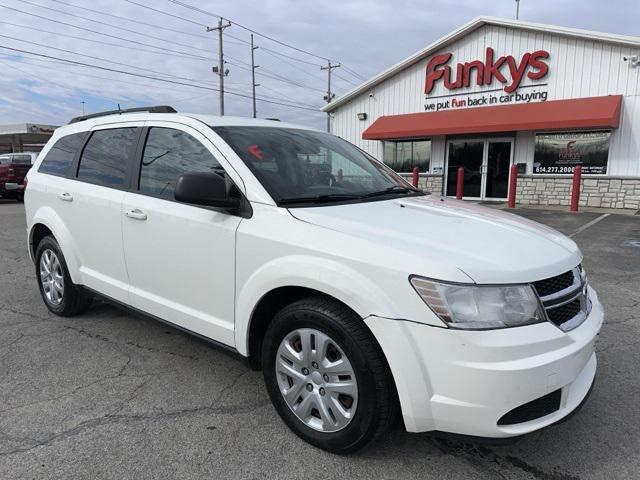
497,92
24,137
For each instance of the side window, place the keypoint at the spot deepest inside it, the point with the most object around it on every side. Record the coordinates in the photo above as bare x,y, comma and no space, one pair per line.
105,158
22,160
168,154
61,155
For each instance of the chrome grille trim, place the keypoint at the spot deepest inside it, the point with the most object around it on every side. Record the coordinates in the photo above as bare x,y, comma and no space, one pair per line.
577,291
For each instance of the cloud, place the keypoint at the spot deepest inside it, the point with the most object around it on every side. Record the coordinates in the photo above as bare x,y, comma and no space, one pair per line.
366,36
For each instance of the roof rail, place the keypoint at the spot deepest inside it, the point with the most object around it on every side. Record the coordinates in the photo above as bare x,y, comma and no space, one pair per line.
152,109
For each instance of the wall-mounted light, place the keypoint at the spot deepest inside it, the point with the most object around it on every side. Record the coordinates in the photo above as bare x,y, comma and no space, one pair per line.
633,61
361,116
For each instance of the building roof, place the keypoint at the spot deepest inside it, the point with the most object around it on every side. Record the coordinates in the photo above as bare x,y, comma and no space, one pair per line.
465,30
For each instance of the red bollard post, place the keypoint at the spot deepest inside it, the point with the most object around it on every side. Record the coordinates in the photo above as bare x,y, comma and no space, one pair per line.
575,188
460,185
512,186
416,176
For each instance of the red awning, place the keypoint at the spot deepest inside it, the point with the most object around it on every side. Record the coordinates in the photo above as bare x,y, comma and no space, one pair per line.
591,112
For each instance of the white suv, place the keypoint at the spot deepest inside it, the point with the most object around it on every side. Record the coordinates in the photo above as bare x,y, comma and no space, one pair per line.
355,293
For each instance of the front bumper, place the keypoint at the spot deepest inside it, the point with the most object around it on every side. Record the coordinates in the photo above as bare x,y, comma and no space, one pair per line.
464,381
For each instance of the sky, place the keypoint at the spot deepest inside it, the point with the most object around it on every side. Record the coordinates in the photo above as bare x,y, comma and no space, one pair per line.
366,36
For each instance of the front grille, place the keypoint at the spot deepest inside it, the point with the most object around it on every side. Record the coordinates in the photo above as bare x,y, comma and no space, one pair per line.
564,298
564,313
537,408
552,285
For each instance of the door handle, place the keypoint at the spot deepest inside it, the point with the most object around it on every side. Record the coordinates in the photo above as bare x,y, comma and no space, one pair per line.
136,214
65,196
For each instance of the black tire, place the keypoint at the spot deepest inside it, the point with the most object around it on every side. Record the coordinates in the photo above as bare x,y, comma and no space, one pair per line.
74,301
20,197
377,401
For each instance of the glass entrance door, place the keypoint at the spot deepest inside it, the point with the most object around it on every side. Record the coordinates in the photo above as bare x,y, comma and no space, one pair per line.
467,154
496,169
486,167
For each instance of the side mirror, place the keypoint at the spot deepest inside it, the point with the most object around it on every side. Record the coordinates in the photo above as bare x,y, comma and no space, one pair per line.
208,189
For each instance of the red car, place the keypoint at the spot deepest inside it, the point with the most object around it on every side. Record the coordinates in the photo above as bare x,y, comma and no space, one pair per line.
13,169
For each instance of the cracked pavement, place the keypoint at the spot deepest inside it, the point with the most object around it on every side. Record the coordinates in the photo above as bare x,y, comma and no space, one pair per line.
112,395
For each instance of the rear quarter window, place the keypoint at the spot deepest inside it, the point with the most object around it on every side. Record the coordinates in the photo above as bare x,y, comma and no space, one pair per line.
59,159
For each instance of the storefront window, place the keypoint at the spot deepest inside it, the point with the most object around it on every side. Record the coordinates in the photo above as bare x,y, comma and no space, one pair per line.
561,152
403,156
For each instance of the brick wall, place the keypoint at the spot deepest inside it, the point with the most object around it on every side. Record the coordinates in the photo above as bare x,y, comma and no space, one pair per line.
606,192
429,182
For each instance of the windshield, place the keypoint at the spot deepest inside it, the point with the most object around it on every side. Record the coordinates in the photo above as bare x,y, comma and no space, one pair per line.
303,166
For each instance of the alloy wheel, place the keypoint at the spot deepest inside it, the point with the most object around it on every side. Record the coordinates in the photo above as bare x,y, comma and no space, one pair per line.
51,277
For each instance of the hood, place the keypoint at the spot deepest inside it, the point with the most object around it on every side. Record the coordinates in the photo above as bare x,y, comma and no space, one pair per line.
488,245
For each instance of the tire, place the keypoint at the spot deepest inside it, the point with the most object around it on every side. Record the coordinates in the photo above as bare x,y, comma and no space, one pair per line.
19,197
373,404
68,300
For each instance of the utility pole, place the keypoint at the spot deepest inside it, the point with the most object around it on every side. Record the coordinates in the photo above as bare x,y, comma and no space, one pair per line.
220,70
517,9
253,77
329,96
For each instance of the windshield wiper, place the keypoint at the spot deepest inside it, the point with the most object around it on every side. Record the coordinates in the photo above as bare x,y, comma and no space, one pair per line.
320,198
393,189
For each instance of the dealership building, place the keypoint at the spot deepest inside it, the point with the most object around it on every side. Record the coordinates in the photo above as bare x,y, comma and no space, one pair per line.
24,137
498,92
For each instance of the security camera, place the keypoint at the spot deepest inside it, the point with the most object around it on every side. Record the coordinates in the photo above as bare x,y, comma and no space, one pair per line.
371,95
634,61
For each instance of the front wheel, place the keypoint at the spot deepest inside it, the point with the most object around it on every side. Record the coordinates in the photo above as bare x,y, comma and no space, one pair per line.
327,376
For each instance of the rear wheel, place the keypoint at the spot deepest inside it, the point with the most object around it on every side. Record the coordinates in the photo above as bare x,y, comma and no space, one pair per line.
327,376
60,294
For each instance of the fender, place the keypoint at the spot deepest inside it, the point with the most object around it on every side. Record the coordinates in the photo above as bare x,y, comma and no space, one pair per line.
48,217
327,276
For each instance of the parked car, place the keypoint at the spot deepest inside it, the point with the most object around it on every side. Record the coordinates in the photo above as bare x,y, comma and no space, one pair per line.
356,294
13,169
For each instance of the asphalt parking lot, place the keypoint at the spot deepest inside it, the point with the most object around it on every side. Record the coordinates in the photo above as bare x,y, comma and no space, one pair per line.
109,395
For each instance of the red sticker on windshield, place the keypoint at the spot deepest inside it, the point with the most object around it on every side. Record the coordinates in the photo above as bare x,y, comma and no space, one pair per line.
255,151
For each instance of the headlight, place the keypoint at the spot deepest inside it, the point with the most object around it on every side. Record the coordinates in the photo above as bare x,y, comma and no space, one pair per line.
473,307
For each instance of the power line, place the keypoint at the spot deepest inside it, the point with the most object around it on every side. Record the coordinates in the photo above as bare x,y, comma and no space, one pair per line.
351,82
27,61
275,52
165,80
191,7
84,39
99,22
167,13
122,17
245,42
100,33
275,76
98,58
354,73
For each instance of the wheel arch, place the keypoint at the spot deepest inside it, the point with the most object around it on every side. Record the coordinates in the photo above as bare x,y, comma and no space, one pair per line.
47,222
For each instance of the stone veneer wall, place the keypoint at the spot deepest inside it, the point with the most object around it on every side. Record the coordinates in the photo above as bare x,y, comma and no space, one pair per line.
605,192
429,182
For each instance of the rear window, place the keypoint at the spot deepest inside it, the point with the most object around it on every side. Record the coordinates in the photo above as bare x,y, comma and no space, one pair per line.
60,157
22,159
107,156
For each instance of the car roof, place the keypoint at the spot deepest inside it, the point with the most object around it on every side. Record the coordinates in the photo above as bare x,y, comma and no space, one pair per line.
211,120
